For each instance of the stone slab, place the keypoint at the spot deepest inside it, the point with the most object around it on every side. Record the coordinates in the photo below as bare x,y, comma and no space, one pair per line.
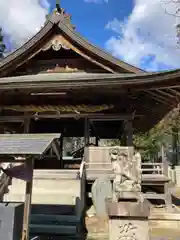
101,190
128,209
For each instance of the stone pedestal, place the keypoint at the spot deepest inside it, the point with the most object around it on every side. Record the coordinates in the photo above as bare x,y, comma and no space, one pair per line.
128,220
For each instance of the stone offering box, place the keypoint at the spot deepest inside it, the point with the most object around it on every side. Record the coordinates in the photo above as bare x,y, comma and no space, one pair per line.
128,220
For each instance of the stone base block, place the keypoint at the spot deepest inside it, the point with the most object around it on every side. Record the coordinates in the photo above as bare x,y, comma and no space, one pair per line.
128,220
131,229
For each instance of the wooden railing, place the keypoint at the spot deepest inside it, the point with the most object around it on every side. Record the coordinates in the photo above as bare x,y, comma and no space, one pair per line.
155,168
82,169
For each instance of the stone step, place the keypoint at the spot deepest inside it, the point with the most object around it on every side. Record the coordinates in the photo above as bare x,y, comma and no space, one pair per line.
92,174
54,237
66,225
98,165
56,174
54,171
49,191
99,170
63,185
55,209
54,219
53,229
42,198
156,196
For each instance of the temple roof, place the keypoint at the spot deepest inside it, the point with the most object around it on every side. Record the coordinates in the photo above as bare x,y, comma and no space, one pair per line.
152,95
156,80
62,22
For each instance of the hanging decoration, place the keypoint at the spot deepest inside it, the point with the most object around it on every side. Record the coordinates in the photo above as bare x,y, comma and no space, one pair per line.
60,108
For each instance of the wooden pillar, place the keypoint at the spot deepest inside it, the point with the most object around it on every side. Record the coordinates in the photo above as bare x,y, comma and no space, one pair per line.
97,141
27,125
86,132
29,165
123,139
175,148
27,204
129,133
61,151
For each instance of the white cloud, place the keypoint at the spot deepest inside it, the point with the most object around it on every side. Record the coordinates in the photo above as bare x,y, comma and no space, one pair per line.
96,1
21,19
149,32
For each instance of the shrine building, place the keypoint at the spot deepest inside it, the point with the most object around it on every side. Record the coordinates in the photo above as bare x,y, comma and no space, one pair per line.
58,82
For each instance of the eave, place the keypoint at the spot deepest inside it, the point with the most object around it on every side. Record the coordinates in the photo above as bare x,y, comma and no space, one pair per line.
155,93
144,81
18,54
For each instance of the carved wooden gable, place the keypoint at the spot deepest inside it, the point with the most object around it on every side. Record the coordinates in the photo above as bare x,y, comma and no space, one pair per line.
58,55
57,47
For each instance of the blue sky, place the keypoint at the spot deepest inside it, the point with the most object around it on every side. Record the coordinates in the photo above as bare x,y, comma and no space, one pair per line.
136,31
90,19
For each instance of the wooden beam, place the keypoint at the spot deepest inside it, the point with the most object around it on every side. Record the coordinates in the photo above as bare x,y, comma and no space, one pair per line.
86,132
161,92
91,116
56,149
159,98
95,131
144,105
10,159
129,133
175,92
26,125
163,87
158,95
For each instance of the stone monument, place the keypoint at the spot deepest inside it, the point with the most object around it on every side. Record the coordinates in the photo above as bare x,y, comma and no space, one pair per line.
126,167
128,211
101,190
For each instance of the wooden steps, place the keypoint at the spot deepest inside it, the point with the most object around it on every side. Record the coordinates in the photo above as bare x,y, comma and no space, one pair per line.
56,174
55,220
53,229
54,224
56,197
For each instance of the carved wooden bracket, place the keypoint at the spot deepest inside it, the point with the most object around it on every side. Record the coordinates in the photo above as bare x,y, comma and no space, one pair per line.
56,44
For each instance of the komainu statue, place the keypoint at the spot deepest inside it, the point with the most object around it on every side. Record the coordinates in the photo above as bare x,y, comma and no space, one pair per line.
126,166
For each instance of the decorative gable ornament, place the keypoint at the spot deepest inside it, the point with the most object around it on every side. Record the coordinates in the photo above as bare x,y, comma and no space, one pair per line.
56,44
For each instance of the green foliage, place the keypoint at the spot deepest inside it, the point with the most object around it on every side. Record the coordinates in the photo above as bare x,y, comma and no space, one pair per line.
149,143
114,142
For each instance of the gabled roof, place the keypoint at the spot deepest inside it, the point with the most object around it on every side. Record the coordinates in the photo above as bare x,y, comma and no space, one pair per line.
59,20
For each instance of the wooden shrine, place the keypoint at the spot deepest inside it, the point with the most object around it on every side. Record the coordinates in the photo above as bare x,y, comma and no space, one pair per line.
59,82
